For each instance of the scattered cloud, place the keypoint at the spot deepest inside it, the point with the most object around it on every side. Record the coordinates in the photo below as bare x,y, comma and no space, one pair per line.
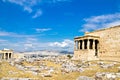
25,44
101,21
2,40
65,44
3,33
37,14
16,35
56,1
42,29
31,42
28,9
26,4
29,5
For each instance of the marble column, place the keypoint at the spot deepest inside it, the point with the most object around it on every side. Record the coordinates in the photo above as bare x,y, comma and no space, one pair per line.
78,44
88,44
83,44
4,56
93,46
8,56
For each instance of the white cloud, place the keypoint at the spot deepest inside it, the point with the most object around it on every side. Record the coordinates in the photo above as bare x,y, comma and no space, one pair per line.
28,5
31,44
37,14
42,29
2,40
65,44
28,9
56,1
2,33
25,44
114,23
31,39
16,35
22,42
101,21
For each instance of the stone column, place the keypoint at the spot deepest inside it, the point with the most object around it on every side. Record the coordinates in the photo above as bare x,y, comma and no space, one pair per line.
78,45
83,44
4,56
93,46
88,44
8,56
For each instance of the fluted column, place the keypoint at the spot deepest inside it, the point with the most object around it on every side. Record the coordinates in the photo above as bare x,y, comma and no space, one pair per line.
88,44
83,44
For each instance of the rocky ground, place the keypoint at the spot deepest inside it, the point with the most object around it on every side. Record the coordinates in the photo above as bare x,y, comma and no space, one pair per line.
57,68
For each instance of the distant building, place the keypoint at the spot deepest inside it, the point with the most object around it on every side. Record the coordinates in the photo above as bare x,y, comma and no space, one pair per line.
6,54
101,44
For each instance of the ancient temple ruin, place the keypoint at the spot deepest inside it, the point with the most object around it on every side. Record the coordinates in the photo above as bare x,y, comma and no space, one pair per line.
6,54
101,44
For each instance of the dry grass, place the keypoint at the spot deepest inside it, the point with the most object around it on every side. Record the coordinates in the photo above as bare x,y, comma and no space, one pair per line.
25,63
49,63
5,68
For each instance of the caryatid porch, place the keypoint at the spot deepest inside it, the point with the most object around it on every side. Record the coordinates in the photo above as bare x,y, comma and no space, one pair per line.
86,46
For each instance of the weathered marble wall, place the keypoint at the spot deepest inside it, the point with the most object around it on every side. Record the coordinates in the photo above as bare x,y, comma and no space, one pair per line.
109,44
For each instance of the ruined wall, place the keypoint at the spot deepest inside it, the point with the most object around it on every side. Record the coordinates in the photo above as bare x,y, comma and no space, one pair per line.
109,45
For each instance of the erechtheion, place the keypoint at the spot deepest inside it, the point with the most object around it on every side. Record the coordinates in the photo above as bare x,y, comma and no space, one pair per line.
101,44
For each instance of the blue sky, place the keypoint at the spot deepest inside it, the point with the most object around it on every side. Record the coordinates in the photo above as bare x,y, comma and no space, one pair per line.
52,24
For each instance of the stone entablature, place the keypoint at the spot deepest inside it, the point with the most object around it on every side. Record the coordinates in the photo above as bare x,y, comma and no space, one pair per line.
6,54
86,42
